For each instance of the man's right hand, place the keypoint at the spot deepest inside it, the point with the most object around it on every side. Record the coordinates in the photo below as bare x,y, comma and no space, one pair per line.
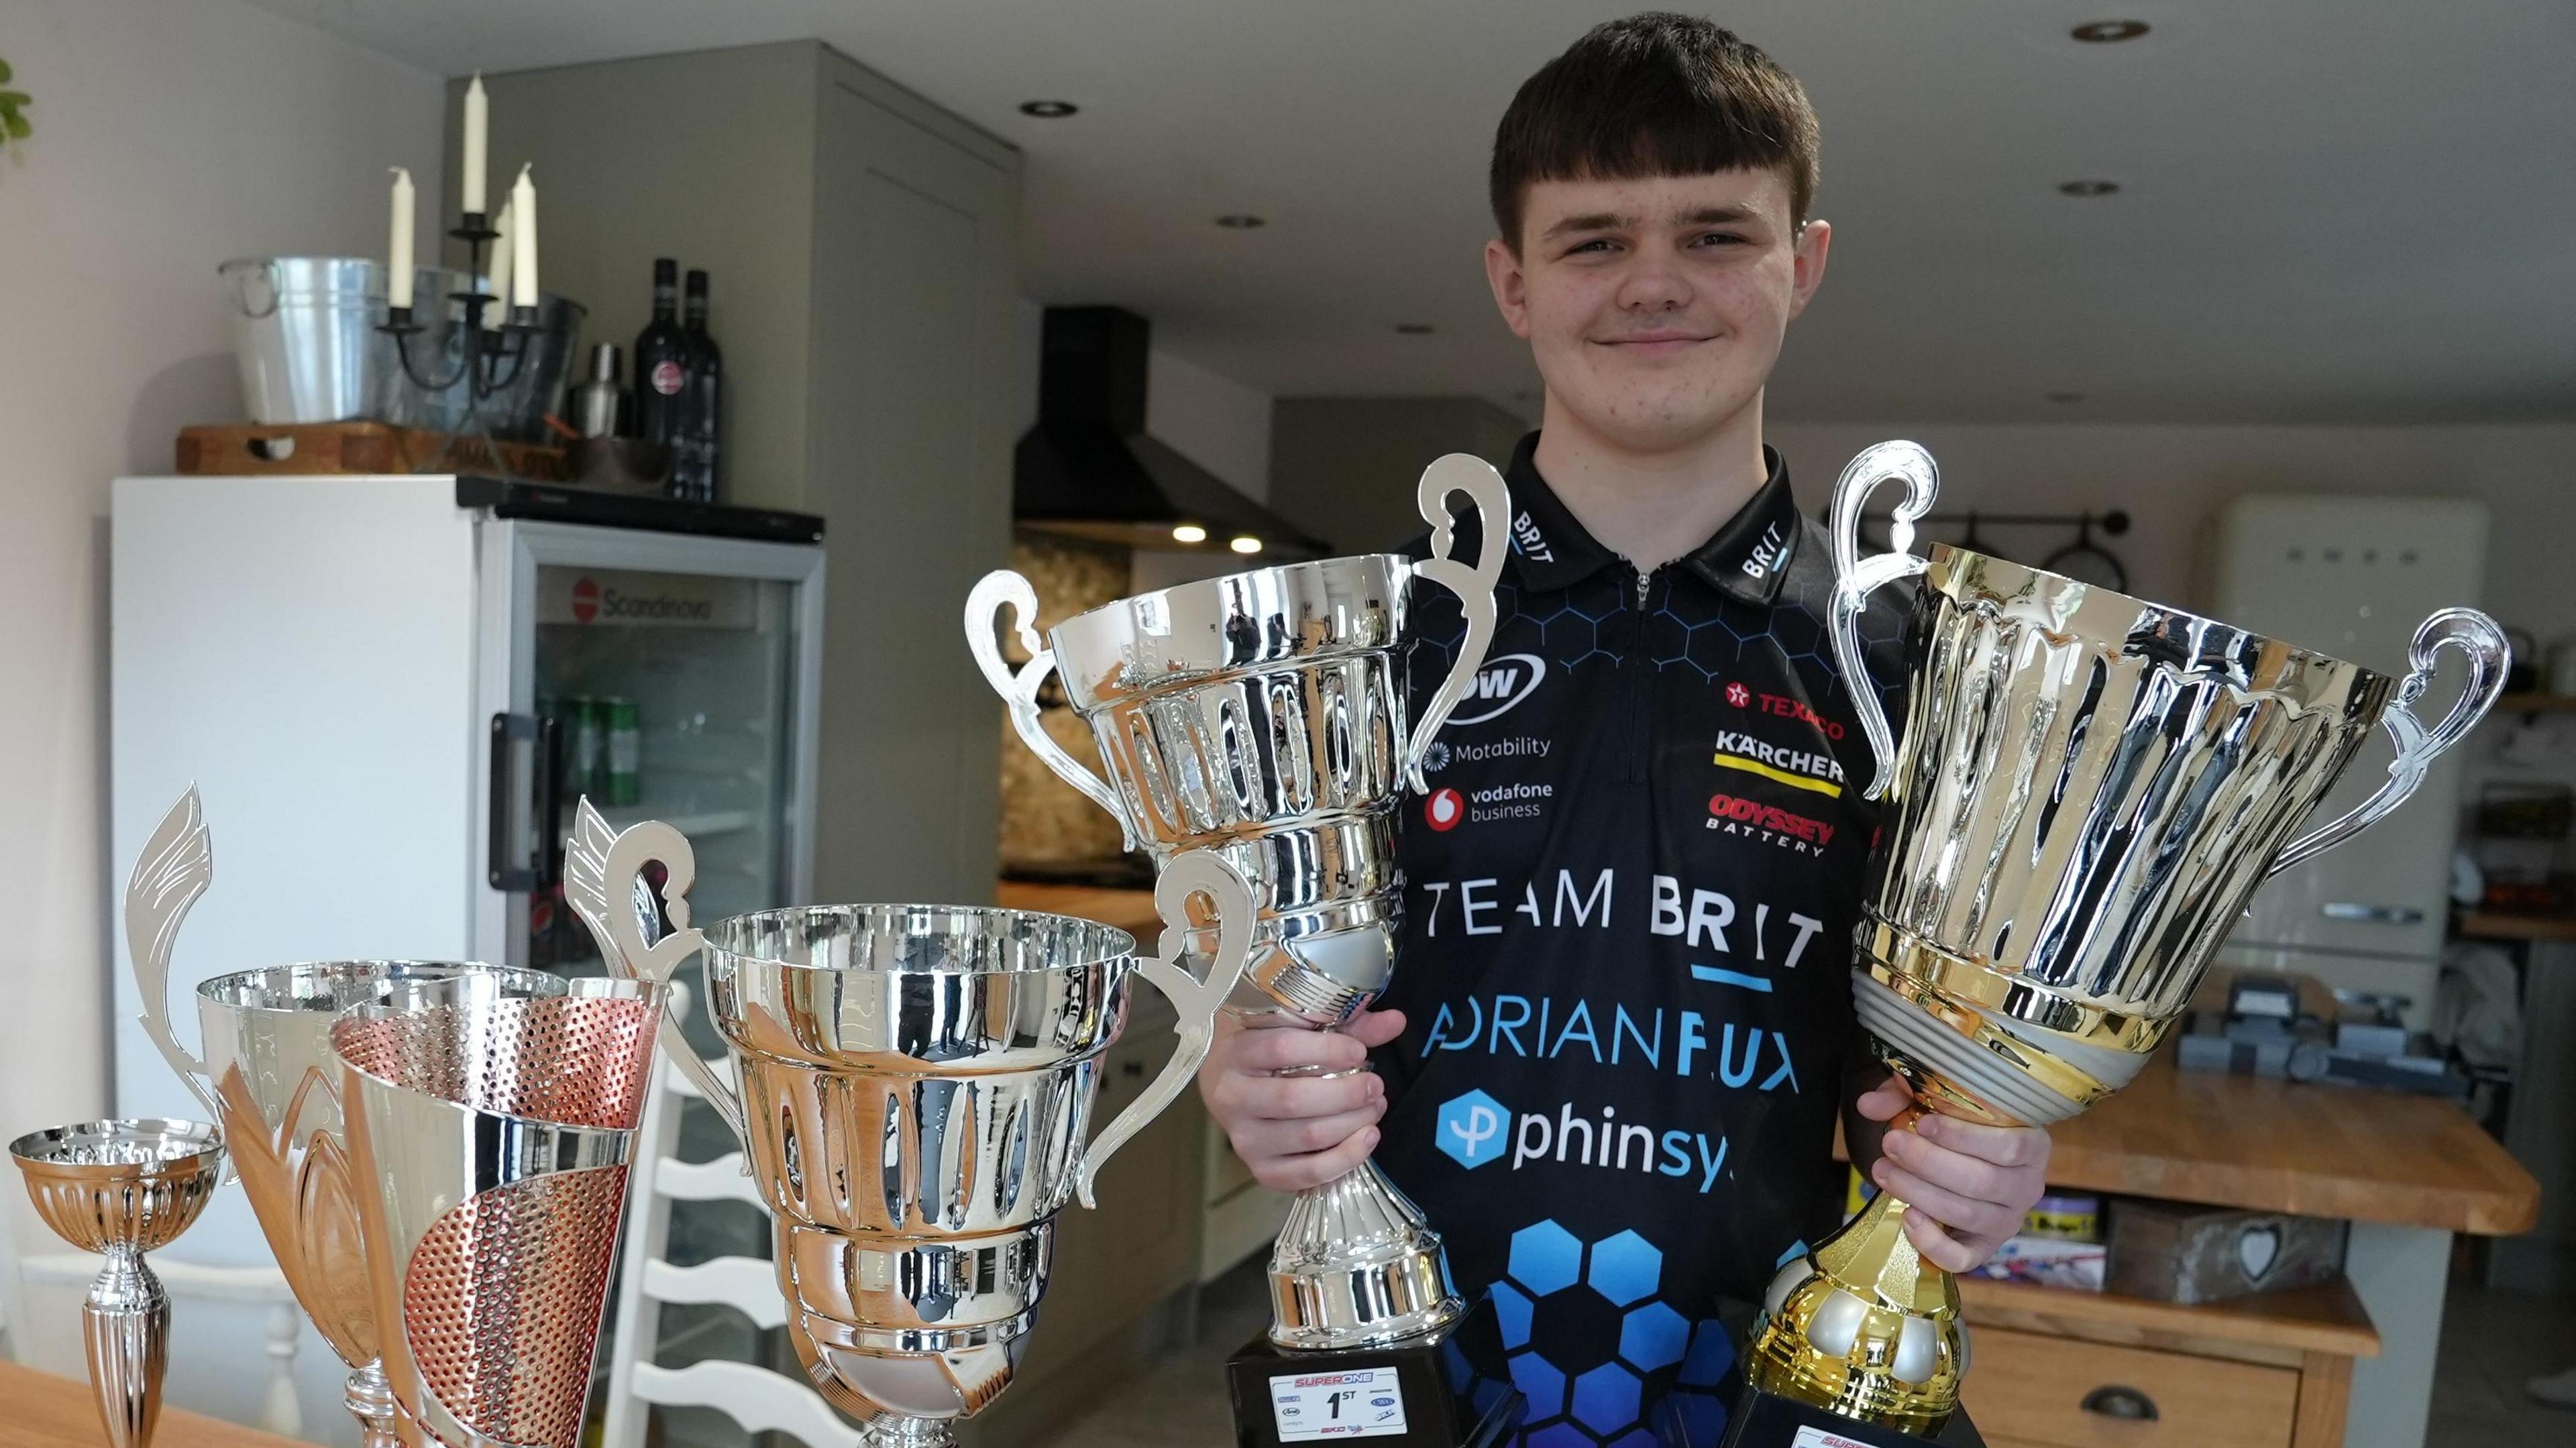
1297,1132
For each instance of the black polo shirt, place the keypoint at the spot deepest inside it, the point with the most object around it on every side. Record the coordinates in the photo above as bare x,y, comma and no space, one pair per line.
1629,904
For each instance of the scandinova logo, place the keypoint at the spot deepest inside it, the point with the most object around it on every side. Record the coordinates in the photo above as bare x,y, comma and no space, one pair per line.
1499,685
585,600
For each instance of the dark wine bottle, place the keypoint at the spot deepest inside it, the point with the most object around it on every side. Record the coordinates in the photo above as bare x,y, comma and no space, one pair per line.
662,365
701,444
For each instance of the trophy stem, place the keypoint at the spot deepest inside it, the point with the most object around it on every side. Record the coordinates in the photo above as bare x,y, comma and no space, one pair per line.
896,1431
1357,1266
125,1323
1863,1326
370,1399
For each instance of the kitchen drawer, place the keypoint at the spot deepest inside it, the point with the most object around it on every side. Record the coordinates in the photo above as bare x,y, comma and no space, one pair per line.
2026,1388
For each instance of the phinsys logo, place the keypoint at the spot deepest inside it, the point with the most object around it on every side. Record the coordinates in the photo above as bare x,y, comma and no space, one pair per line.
1499,685
1471,1129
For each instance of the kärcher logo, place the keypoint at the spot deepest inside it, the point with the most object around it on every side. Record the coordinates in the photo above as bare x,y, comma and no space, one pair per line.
1500,684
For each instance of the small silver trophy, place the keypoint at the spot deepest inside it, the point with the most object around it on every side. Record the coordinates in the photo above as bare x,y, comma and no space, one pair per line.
916,1093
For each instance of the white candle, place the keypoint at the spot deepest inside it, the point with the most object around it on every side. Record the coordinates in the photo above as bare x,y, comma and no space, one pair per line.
523,240
478,125
499,311
398,254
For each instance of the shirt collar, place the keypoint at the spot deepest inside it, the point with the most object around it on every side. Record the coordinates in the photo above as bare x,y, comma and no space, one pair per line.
1745,559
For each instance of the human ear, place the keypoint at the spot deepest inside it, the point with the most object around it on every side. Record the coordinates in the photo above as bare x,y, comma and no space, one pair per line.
1511,286
1808,263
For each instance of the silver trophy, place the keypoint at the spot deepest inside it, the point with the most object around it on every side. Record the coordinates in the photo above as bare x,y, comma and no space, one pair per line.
916,1093
270,1079
1263,716
2089,790
488,1146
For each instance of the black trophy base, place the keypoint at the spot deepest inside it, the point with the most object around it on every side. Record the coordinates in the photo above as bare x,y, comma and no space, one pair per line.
1447,1389
1767,1420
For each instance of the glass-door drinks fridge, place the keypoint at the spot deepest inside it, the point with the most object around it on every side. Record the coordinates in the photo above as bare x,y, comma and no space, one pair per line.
389,692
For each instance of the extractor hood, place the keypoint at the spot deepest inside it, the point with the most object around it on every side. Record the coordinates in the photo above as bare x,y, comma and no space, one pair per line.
1089,471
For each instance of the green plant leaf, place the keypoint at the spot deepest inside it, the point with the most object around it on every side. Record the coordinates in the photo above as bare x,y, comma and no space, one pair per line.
11,100
4,72
16,125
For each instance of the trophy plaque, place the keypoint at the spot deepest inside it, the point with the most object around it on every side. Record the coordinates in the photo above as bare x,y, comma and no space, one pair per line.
916,1092
1264,716
2089,790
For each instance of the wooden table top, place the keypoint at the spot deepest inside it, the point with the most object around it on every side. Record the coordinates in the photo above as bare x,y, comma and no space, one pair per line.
2289,1146
1130,910
40,1410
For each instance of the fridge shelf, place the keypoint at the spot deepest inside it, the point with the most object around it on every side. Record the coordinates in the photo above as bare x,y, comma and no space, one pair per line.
695,826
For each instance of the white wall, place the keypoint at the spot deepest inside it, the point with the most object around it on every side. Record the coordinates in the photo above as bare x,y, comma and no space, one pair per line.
170,135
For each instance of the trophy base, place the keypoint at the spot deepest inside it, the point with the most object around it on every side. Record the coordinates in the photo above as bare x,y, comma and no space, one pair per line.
1447,1388
1768,1420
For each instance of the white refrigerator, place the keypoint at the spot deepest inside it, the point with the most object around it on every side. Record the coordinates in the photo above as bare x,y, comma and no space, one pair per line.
2352,577
377,686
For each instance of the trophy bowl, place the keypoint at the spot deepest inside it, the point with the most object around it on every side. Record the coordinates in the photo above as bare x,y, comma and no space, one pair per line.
2088,791
121,1189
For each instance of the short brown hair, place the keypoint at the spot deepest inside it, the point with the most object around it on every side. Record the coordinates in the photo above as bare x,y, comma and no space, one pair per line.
1657,94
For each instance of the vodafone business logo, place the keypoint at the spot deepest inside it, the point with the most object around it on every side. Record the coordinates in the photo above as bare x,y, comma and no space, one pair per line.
585,600
1444,810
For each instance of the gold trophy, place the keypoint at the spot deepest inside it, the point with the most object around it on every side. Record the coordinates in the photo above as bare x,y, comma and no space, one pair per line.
2089,790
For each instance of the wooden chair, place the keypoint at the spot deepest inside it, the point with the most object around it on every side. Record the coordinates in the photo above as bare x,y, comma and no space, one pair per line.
754,1397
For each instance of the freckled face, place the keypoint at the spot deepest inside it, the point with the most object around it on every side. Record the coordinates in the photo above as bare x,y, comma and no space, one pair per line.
1655,307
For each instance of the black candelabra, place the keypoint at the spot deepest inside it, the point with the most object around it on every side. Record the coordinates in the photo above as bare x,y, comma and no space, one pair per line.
491,360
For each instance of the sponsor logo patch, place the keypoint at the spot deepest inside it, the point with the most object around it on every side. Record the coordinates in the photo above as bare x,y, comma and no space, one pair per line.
1500,685
1734,814
1807,769
1444,810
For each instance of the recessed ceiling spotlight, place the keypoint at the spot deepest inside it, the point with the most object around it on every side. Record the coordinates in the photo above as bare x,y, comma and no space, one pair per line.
1242,221
1246,544
1188,533
1413,329
1048,110
2109,32
2063,396
2089,188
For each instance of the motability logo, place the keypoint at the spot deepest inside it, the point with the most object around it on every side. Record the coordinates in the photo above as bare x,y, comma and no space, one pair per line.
1476,1130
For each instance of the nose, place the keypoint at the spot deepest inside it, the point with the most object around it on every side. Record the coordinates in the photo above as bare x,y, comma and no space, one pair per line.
1654,284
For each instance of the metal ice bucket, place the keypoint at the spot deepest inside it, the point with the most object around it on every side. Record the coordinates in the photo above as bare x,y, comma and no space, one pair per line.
2088,792
916,1085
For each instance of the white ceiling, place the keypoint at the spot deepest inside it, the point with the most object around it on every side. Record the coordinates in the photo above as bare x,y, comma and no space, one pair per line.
2332,210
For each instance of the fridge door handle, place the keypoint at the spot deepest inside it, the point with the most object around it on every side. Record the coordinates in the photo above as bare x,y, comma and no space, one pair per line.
512,866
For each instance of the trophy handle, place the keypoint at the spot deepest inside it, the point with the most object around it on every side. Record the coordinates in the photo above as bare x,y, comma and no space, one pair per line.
603,866
176,866
1855,577
2489,655
1192,872
1475,477
1020,690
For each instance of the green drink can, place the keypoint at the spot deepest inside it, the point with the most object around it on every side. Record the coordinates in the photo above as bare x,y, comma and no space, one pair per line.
625,747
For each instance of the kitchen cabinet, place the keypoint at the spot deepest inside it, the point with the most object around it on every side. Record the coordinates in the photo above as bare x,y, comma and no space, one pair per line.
863,250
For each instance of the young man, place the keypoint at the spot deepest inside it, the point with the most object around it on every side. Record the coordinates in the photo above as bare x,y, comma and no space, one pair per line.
1621,1031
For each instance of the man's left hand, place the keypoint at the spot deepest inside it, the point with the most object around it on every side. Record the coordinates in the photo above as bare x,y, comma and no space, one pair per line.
1967,1186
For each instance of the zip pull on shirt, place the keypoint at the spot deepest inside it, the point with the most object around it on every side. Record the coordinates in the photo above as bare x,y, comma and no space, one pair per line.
1626,949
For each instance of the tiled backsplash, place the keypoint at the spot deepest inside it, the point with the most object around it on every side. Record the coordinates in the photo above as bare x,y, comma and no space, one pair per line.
1044,819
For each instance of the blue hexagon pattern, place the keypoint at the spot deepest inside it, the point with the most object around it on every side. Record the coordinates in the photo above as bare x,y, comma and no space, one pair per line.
1625,1268
1545,1258
1602,1399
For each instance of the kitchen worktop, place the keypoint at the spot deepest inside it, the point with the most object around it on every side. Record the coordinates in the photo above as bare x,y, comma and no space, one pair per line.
1130,910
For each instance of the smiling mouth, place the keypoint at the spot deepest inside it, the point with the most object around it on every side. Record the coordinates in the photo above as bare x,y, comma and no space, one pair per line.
1655,339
